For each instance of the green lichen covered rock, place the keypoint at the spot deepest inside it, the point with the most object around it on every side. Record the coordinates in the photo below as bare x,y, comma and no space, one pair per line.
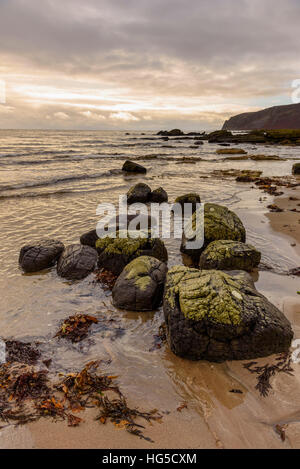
216,316
140,285
218,222
116,253
229,255
191,198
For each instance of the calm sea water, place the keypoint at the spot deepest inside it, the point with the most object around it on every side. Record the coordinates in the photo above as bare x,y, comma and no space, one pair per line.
50,186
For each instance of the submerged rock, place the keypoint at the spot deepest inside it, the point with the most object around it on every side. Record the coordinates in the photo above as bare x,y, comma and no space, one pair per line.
131,167
139,193
159,195
40,255
231,151
296,168
217,316
76,262
191,198
219,223
229,255
140,285
116,253
171,133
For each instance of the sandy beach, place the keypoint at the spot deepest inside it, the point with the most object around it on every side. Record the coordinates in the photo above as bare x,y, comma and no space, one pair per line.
214,414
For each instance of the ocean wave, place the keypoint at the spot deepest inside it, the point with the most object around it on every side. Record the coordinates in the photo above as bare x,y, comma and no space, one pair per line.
58,180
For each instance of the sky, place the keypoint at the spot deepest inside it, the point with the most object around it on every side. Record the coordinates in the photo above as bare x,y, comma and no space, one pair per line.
144,64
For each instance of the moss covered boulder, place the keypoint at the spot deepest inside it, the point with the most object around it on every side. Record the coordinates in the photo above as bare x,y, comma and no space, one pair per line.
191,198
139,193
229,255
40,255
147,222
116,253
218,223
76,262
140,285
296,169
216,316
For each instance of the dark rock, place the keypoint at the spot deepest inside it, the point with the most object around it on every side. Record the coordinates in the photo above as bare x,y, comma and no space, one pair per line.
89,239
229,255
140,285
76,262
296,168
192,198
116,253
139,193
171,133
40,255
159,195
131,167
217,316
219,223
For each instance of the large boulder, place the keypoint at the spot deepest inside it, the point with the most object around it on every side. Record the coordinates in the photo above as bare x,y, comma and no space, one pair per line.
131,167
296,168
229,255
191,198
159,195
76,262
216,316
140,286
219,223
139,193
40,255
90,238
116,253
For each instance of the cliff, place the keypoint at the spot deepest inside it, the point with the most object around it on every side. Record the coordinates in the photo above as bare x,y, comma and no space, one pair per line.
273,118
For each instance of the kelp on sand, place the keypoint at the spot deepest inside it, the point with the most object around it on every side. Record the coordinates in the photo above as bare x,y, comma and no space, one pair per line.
28,394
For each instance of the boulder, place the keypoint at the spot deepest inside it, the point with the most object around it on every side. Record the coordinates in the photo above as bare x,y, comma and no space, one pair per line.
219,223
296,168
217,316
131,167
229,255
76,262
116,253
140,285
40,255
89,238
159,195
139,193
191,198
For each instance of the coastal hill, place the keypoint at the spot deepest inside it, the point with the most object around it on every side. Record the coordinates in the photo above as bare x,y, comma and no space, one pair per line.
273,118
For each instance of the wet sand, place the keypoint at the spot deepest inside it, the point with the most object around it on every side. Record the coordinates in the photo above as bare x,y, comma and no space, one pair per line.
288,221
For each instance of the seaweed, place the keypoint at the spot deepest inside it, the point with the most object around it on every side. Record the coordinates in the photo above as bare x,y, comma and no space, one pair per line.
122,416
106,278
27,395
266,372
160,338
21,352
75,328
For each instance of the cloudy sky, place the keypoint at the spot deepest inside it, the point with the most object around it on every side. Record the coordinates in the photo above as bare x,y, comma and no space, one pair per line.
144,64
